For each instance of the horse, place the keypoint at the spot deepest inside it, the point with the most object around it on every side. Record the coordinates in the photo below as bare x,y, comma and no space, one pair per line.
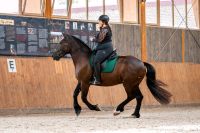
128,71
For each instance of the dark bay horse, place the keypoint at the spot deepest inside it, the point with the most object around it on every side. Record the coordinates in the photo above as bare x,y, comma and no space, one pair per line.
128,71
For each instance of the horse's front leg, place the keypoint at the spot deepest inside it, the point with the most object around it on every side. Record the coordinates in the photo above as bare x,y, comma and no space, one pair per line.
84,93
77,107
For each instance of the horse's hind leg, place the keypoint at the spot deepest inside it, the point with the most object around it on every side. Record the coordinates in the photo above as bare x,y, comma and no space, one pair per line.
120,107
139,97
132,92
130,96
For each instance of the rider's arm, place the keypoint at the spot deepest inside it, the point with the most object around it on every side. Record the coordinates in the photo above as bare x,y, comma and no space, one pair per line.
100,37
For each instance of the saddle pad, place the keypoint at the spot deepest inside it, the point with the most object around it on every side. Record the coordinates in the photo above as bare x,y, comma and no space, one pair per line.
107,66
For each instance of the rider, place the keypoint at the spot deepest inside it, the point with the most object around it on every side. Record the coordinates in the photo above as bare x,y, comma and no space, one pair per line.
104,47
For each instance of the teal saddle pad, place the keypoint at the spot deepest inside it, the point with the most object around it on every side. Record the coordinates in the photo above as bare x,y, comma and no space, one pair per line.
107,66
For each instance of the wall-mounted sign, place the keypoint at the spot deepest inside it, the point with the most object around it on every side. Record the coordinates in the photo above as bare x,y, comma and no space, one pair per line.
6,22
11,65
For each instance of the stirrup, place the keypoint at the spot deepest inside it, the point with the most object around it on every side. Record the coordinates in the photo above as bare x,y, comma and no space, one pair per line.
95,82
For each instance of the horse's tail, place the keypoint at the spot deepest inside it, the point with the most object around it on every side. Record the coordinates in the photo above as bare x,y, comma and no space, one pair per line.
155,86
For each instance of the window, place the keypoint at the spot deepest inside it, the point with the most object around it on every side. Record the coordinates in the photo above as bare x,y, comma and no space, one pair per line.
33,6
179,13
79,9
95,9
151,11
60,7
9,6
192,13
112,10
166,13
130,13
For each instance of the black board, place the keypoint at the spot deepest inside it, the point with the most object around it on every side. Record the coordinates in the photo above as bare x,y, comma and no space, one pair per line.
26,36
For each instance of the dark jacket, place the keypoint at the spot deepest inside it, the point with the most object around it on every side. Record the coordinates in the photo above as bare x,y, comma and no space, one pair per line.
104,38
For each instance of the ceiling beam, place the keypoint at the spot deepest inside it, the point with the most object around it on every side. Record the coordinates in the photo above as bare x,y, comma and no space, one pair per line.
48,9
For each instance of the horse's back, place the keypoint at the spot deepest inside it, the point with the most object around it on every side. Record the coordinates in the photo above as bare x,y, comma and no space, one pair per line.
128,68
131,68
132,61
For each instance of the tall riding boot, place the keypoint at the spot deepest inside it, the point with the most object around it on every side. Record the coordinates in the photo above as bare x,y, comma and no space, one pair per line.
97,74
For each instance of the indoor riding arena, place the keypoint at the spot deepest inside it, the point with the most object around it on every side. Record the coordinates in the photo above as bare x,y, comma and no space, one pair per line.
99,66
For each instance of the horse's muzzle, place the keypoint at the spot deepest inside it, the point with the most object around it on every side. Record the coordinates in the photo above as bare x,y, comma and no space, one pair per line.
55,57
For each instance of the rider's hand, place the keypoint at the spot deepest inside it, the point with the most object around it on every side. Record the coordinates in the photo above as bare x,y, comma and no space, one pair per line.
91,39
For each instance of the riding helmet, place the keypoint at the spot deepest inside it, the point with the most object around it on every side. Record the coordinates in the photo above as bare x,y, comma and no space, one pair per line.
104,18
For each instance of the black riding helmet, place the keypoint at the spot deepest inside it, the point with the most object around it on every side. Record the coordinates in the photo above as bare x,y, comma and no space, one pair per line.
104,18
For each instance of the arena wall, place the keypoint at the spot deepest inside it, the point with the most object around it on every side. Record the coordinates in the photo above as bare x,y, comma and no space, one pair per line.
41,83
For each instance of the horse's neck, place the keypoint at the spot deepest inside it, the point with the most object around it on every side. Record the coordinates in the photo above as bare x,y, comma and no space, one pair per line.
79,57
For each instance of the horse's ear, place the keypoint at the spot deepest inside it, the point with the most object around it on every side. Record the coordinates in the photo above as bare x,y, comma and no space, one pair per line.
65,35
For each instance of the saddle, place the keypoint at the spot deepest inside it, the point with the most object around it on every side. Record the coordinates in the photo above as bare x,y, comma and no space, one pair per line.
107,65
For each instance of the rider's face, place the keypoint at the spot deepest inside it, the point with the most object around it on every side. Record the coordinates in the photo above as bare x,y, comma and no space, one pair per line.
100,24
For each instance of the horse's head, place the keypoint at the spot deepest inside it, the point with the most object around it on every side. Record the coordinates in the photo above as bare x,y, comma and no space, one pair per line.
64,47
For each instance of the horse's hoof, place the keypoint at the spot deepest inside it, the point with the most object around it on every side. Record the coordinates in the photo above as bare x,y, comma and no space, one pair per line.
97,108
77,111
135,115
115,113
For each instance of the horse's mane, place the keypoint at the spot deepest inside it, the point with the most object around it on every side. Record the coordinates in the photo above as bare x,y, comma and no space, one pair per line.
81,42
